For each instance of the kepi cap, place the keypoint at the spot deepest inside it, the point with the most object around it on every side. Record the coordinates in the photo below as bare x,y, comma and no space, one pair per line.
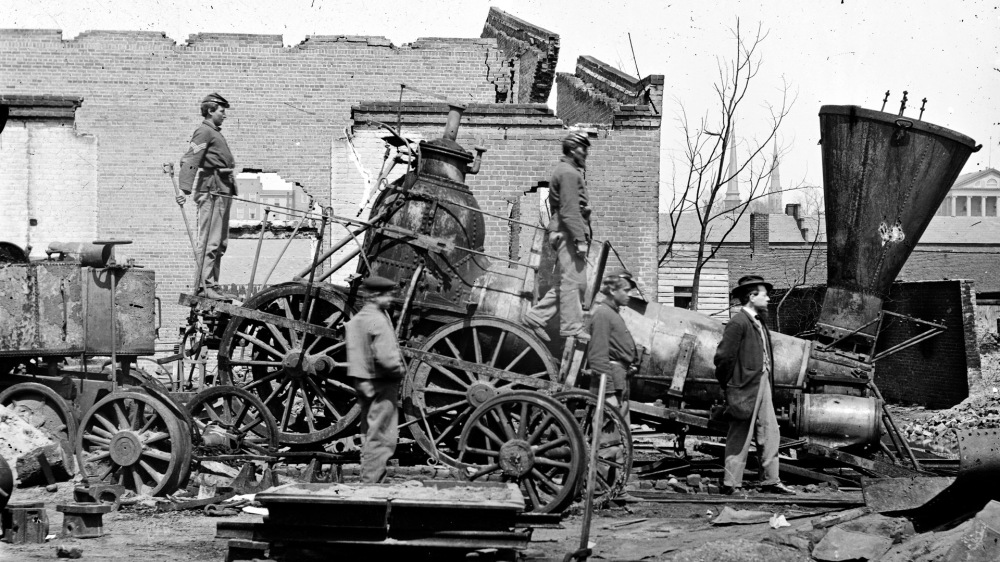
216,98
621,273
749,282
376,284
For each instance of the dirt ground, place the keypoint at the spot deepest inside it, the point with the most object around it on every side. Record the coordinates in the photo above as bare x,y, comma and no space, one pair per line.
633,531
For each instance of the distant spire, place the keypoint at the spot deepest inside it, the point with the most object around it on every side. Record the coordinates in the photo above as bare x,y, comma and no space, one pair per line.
732,200
774,193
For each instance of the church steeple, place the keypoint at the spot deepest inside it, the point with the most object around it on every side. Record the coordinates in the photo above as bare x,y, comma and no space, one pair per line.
732,199
774,192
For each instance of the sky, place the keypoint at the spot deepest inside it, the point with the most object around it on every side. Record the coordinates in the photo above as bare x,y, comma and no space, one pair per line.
839,52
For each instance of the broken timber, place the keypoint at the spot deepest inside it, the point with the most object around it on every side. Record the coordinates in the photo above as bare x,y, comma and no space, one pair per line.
867,466
845,499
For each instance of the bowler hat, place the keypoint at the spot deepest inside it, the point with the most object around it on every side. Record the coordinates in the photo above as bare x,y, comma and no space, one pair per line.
376,284
750,282
216,98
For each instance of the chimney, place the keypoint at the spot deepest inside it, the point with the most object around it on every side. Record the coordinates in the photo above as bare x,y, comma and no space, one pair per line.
760,232
792,209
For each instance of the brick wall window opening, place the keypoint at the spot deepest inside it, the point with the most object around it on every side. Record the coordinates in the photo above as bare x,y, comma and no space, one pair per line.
961,206
682,297
977,207
991,207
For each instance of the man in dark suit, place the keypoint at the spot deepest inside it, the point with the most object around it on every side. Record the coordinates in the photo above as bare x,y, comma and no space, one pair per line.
744,366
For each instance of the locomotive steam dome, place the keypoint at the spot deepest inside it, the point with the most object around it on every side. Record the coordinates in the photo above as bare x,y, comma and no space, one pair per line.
433,201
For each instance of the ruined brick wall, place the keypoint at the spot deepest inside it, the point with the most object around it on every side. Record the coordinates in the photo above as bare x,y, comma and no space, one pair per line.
535,51
141,93
523,143
600,93
936,373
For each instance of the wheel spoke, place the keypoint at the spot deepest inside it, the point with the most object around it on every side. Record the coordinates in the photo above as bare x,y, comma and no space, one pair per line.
492,467
138,413
496,351
278,337
100,431
484,452
155,437
276,392
522,428
310,421
264,379
158,455
329,350
440,390
137,480
289,403
477,346
286,305
261,345
549,462
326,400
540,429
156,476
550,445
249,363
510,366
501,417
99,456
447,372
553,487
529,485
489,433
451,426
458,355
445,408
107,424
96,439
120,416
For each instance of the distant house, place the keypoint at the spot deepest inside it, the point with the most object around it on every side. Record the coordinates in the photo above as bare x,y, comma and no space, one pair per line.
256,197
974,195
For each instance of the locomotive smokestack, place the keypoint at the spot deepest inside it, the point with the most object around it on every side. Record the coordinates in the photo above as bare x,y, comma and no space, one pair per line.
454,118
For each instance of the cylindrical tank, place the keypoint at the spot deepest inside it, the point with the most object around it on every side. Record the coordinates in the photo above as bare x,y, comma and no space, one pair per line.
434,201
836,420
884,176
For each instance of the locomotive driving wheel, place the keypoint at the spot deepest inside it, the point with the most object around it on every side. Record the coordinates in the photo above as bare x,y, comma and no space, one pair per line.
43,408
438,400
135,440
614,454
231,422
301,378
527,438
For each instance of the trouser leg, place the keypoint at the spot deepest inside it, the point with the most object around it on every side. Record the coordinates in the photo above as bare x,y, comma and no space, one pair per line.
544,309
380,422
768,437
572,288
213,233
736,452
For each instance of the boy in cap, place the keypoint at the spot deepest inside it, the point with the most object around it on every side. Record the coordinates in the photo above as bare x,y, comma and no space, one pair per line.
375,363
207,169
612,349
744,367
569,234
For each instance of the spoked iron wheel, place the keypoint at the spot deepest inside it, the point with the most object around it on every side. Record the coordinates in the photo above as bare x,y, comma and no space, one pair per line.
614,454
437,400
528,438
230,425
301,378
133,439
40,406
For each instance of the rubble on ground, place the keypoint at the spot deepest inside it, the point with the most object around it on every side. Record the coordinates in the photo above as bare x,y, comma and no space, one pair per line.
18,438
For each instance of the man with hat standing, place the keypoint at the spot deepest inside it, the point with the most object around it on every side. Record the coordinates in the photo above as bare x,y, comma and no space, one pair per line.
207,169
744,366
612,349
569,234
375,363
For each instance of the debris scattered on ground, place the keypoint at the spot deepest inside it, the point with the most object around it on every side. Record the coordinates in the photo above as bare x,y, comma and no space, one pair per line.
18,437
68,552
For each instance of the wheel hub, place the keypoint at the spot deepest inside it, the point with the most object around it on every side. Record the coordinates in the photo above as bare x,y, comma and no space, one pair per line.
480,392
516,458
291,365
126,448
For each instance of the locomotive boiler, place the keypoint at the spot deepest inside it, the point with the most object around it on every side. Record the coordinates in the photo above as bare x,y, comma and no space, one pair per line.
884,177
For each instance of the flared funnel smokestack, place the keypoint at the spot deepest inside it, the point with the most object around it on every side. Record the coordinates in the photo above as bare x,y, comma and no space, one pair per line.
454,119
884,177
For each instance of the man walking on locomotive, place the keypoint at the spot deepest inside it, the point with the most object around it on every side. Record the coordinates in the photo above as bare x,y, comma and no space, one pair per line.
612,349
375,363
569,234
744,366
207,169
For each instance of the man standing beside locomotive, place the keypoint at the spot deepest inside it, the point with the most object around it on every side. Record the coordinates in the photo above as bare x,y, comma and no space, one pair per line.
744,366
207,169
375,363
612,349
569,234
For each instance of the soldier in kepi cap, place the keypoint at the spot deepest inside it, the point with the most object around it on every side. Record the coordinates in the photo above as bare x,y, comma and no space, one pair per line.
207,169
612,350
569,234
375,364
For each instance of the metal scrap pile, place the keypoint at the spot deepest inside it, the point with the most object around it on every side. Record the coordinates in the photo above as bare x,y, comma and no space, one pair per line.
937,432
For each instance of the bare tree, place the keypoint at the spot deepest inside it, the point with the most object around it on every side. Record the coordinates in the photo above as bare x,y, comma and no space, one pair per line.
808,265
707,167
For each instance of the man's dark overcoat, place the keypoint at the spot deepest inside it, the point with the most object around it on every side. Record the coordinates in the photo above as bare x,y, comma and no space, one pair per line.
739,363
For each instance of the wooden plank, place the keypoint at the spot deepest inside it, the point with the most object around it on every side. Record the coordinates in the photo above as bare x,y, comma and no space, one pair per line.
845,499
877,468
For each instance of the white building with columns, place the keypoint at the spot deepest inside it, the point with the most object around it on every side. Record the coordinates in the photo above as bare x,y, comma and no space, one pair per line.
975,194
